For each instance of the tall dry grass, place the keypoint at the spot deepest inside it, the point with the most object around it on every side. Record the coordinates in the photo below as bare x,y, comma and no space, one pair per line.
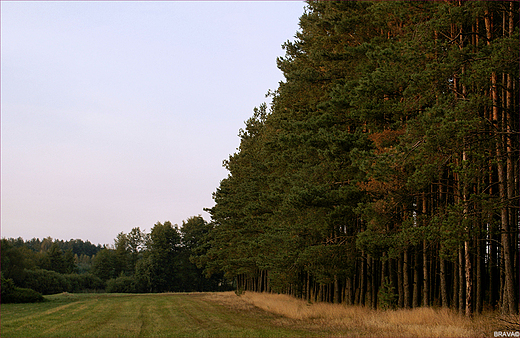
358,321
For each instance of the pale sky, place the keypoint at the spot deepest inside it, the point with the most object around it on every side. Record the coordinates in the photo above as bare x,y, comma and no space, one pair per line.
117,115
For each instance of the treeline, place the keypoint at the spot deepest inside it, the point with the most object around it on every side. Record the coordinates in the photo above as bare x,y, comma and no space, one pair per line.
158,261
35,267
385,172
61,256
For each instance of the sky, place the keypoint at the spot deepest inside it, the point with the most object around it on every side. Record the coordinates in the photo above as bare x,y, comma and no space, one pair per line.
116,115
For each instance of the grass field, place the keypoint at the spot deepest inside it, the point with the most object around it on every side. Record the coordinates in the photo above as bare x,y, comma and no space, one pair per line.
223,315
150,315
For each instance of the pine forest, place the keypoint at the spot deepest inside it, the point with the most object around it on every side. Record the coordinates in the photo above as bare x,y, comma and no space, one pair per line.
385,171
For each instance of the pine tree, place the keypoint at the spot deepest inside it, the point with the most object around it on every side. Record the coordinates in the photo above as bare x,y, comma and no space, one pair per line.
389,156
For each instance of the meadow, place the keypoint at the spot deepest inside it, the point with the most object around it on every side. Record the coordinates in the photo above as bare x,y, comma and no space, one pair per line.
227,315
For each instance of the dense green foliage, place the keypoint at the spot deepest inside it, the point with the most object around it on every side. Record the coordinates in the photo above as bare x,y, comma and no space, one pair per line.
158,261
387,163
51,282
54,255
44,266
123,284
14,294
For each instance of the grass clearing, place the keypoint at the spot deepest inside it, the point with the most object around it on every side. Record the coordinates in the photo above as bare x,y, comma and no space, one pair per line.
146,315
226,315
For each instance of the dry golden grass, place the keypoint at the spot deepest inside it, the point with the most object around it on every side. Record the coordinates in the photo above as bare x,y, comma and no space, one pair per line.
490,321
358,321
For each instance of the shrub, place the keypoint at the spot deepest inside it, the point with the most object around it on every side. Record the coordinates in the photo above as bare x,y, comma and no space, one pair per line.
23,295
74,282
122,284
386,297
89,282
7,285
14,294
84,282
51,282
46,282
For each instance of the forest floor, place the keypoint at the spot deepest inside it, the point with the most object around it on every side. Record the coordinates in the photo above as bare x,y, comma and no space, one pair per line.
226,315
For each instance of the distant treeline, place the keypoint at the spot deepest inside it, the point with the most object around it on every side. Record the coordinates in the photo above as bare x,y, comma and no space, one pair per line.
386,171
61,256
158,261
46,266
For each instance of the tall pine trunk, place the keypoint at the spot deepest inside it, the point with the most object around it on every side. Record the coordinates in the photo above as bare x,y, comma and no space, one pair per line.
406,280
444,289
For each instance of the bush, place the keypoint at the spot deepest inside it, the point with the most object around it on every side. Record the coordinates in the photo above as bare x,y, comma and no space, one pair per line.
90,282
84,282
14,294
46,282
23,295
386,297
121,284
74,282
51,282
7,285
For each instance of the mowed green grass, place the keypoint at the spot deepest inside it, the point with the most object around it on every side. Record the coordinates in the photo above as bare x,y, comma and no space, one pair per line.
147,315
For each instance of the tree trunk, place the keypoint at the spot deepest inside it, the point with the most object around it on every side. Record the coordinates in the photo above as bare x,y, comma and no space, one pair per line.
479,277
406,280
363,280
508,124
368,297
455,287
462,283
469,284
373,272
444,290
348,291
336,290
308,287
426,289
467,258
416,282
400,282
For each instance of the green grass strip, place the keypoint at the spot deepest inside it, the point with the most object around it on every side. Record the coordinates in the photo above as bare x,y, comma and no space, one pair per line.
150,315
